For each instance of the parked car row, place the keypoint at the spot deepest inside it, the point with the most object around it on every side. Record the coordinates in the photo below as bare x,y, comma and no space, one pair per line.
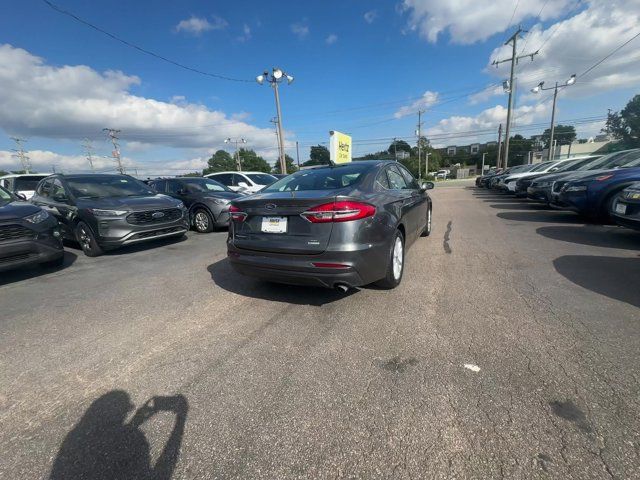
604,188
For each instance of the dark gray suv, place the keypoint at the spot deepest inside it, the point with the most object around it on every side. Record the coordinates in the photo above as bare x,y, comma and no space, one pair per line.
102,211
338,226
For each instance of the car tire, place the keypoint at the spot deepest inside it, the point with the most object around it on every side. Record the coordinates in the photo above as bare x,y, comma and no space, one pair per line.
55,263
202,221
395,263
87,240
427,229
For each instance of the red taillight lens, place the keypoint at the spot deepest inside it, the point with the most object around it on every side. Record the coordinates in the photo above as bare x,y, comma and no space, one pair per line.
603,178
329,265
345,211
236,214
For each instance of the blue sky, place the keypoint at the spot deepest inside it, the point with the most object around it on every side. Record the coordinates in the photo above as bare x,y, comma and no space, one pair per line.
358,65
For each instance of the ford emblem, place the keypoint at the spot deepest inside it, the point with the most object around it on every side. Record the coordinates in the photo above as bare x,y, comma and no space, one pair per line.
270,206
157,214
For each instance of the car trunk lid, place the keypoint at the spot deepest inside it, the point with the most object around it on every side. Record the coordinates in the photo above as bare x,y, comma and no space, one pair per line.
273,222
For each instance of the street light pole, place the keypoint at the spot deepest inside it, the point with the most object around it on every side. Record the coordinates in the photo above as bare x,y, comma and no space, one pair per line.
274,78
555,88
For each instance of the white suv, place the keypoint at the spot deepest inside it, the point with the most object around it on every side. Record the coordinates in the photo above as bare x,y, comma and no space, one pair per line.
22,183
247,182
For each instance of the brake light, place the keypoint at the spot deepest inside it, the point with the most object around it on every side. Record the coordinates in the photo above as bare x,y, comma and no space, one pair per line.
329,265
604,177
344,211
236,214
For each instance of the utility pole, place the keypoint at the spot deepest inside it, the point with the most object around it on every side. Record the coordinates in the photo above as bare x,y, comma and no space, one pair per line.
395,153
112,133
426,164
484,154
88,147
237,154
514,61
53,168
21,154
419,133
298,155
498,159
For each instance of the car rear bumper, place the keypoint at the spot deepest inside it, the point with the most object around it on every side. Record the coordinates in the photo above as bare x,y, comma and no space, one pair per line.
29,252
362,267
631,218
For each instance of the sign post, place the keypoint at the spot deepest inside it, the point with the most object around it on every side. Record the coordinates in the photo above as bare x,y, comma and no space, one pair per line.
339,147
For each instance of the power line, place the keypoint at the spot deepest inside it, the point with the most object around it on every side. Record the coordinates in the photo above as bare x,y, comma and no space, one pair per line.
613,52
60,10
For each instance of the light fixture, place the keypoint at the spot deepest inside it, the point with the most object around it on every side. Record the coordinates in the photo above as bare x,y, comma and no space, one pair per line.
227,140
506,86
537,88
289,79
260,79
572,80
277,73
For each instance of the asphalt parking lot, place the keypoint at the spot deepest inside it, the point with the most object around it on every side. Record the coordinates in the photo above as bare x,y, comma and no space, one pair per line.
510,350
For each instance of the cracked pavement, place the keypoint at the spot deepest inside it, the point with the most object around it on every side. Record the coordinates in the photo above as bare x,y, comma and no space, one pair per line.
287,382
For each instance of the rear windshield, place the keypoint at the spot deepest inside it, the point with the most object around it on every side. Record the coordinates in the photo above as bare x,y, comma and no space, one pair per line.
205,185
26,183
102,186
261,178
320,178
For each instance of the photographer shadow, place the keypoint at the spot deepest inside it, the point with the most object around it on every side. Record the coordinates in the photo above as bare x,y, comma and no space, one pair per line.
103,445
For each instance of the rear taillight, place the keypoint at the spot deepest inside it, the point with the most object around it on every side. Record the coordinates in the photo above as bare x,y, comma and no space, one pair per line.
236,214
330,265
345,211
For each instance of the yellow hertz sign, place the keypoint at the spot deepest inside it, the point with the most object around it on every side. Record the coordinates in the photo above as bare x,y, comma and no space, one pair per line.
339,147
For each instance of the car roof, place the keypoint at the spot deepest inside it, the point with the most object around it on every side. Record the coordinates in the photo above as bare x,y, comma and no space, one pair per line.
244,171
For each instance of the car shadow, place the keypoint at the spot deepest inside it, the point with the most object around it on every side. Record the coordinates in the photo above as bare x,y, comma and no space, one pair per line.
594,236
25,273
542,216
135,247
518,206
103,444
614,277
225,277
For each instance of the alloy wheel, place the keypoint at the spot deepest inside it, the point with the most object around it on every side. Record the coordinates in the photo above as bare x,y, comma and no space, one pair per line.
398,258
201,221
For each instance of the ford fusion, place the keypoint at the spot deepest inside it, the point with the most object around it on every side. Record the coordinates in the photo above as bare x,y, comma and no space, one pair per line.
28,234
106,211
337,226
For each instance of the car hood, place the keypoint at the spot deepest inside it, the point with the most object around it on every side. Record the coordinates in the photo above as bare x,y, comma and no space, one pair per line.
13,210
129,203
632,173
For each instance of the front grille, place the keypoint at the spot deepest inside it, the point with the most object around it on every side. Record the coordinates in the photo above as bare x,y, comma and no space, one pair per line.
15,232
155,233
16,258
150,217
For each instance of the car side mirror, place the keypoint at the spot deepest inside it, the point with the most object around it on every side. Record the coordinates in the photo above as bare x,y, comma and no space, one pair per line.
21,196
427,186
243,184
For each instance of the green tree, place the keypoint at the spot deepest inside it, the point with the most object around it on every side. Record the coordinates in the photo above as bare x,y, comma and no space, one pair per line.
399,146
625,125
221,161
519,148
2,173
319,155
191,174
563,135
291,167
252,162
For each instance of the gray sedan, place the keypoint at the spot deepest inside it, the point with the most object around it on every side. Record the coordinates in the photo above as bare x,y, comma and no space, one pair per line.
337,226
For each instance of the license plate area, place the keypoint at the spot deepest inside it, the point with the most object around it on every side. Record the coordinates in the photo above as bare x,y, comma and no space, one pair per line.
621,208
274,225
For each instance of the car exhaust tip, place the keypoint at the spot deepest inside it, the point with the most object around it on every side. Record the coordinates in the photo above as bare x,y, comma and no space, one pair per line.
342,287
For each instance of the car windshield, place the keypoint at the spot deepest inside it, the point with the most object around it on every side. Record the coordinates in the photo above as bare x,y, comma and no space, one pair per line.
26,183
326,178
261,178
102,186
613,160
542,166
205,185
5,197
573,164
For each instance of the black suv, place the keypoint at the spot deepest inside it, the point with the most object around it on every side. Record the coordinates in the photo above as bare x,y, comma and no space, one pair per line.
102,211
206,199
28,234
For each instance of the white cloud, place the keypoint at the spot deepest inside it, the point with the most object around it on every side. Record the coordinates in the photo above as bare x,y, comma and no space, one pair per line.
246,33
198,25
42,161
300,29
331,39
370,16
486,94
427,100
573,45
469,21
73,102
